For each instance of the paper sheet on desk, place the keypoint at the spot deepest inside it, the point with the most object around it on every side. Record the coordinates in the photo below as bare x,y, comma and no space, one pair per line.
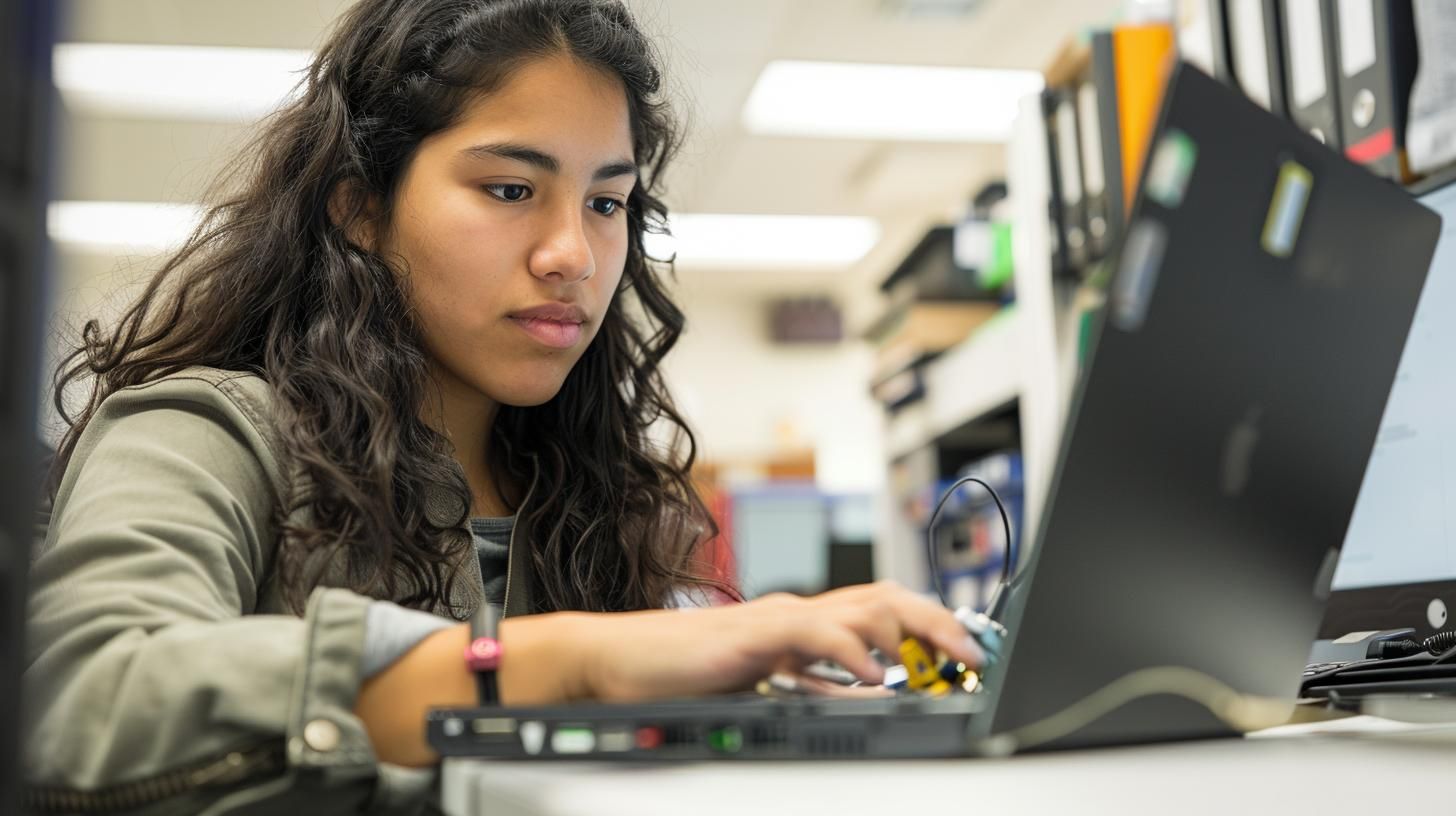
1347,726
1431,130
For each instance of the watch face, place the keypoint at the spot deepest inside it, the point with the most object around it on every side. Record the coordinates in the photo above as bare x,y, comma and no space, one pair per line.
483,654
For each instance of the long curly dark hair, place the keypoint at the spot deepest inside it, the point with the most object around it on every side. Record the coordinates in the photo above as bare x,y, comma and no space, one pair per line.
269,284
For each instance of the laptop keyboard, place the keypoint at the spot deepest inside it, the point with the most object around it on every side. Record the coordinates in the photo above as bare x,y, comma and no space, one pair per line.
1318,668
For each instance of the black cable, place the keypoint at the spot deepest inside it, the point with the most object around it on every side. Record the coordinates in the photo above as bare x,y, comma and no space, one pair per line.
1440,642
1006,565
1391,649
1437,644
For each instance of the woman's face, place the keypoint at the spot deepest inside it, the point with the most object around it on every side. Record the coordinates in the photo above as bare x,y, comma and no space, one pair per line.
511,227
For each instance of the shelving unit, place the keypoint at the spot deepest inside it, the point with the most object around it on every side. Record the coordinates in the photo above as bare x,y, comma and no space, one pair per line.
1022,362
971,380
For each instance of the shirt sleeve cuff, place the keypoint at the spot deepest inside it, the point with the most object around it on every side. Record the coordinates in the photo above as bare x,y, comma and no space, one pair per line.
391,630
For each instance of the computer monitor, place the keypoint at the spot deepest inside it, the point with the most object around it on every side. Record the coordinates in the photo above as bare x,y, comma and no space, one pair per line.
1398,566
26,37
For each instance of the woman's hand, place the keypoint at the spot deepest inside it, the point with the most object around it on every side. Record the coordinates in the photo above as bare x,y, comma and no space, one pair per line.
692,652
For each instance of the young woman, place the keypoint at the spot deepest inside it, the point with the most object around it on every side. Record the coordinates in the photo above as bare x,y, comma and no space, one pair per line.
408,367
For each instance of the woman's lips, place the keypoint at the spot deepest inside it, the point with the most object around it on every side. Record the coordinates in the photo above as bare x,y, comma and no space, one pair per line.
554,333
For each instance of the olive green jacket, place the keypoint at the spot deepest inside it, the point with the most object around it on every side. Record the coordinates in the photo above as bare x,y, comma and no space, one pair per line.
163,671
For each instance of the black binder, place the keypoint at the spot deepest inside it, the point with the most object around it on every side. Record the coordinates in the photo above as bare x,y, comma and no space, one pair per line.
1109,138
1220,65
1071,177
1377,67
1056,217
1256,49
1312,85
1094,175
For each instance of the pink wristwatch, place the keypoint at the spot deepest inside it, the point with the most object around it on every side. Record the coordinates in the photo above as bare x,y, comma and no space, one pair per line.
483,652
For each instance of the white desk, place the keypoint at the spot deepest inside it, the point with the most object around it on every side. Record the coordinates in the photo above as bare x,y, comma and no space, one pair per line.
1366,766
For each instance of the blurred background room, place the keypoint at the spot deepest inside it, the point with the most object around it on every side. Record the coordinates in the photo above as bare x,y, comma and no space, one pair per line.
889,216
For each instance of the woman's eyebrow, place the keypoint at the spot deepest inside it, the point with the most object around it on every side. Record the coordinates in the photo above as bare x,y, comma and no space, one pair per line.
543,160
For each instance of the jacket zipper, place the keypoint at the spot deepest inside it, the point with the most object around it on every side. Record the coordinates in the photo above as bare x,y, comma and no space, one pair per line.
480,574
228,769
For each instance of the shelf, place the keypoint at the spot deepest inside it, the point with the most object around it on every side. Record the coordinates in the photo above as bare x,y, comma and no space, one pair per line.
979,376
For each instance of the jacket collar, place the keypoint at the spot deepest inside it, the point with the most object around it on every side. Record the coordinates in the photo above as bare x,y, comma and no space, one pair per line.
440,507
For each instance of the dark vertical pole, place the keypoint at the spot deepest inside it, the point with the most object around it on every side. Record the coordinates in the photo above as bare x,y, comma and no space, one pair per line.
26,36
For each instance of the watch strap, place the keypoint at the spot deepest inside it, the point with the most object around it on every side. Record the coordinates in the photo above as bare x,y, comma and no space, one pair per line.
483,653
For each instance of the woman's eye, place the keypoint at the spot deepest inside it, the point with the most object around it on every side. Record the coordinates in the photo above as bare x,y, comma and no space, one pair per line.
606,206
509,192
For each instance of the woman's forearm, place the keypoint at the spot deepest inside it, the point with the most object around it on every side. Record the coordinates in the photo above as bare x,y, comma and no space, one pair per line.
536,669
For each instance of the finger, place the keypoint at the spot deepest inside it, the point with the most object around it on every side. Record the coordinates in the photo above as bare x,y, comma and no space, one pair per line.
815,685
935,625
825,640
874,616
878,624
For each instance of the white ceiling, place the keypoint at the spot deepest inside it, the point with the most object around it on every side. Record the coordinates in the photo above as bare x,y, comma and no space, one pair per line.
714,52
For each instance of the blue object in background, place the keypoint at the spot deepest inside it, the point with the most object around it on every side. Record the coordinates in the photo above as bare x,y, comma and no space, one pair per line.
970,537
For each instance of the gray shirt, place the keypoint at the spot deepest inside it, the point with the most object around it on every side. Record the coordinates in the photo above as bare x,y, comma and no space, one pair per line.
492,545
391,630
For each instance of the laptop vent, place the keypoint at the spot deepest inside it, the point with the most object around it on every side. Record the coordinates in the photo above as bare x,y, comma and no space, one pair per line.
681,734
768,734
830,743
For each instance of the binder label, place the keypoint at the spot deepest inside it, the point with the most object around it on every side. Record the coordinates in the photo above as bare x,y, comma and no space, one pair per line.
1306,51
1286,210
1091,140
1357,35
1068,154
1250,49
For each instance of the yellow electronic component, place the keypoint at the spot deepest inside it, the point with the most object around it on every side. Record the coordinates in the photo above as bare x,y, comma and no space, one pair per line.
920,672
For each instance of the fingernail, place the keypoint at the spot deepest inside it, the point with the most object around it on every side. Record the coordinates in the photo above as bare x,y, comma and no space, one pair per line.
990,644
784,682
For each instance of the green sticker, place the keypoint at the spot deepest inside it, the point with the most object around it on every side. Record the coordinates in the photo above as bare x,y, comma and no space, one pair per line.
1172,168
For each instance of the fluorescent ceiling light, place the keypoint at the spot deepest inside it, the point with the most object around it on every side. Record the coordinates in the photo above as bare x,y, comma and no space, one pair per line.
786,241
783,241
121,226
177,81
898,102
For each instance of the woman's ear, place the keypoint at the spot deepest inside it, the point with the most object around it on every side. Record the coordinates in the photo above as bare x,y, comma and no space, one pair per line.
355,212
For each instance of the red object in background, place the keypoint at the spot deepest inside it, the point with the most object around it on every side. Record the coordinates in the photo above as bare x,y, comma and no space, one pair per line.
715,559
1373,149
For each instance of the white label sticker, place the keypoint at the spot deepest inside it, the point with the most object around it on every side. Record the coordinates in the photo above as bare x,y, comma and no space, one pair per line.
1142,260
1251,50
1357,35
1171,168
1307,76
1067,154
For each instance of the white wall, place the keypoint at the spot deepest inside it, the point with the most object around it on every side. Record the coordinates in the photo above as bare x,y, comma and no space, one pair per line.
84,284
747,397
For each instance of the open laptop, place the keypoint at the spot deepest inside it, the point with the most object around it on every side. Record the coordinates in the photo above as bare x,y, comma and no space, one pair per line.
1207,474
1398,566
